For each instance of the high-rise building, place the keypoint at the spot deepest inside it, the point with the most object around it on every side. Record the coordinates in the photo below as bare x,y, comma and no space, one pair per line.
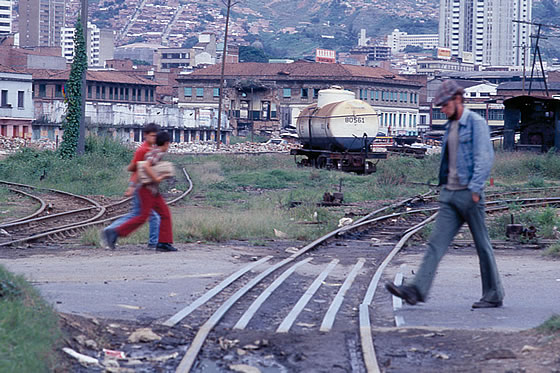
40,22
92,44
483,31
5,16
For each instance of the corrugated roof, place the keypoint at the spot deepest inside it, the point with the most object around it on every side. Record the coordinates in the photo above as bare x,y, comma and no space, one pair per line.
94,76
300,69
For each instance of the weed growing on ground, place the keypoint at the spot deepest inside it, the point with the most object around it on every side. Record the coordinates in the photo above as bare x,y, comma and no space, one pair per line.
553,250
28,326
92,237
102,170
550,325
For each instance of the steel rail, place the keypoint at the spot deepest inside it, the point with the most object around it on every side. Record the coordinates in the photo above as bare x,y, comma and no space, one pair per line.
194,348
89,200
196,345
90,222
31,216
368,348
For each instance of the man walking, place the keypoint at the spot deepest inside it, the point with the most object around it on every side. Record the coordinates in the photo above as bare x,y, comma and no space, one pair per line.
467,157
150,132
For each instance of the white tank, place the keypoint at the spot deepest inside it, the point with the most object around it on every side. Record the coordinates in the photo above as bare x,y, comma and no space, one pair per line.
334,94
346,125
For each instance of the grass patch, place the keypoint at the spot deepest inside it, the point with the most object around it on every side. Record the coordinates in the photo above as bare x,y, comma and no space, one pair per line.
553,250
544,219
91,237
29,332
552,325
101,170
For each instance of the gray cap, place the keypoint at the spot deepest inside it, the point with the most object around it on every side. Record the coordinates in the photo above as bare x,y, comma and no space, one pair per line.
446,91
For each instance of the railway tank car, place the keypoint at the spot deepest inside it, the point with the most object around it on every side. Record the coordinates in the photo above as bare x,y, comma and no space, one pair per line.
337,132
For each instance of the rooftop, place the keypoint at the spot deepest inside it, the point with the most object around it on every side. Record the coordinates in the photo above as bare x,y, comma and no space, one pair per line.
96,76
299,69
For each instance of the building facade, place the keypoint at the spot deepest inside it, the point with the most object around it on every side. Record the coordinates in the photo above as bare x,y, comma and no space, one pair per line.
16,104
5,16
117,104
268,97
40,22
483,31
399,40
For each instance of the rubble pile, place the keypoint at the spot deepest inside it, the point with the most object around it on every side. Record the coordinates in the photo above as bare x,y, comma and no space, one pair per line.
9,145
246,147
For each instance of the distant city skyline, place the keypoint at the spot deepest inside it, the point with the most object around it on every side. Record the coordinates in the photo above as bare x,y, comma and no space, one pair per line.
483,31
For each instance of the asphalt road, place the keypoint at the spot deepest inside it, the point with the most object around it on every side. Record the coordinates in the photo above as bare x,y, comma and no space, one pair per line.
140,284
531,282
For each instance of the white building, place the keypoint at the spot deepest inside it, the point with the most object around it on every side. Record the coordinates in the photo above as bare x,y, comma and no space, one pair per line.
483,31
484,90
93,44
5,16
16,104
399,40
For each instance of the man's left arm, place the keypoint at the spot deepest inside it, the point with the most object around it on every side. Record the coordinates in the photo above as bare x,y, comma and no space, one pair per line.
483,157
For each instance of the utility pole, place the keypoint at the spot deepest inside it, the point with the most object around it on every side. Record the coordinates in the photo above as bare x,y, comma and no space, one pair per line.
228,5
82,134
537,52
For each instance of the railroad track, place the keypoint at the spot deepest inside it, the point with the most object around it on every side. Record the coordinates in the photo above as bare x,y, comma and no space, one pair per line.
316,296
65,222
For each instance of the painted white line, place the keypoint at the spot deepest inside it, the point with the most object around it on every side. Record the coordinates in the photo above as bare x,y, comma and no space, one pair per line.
248,315
328,320
173,320
291,318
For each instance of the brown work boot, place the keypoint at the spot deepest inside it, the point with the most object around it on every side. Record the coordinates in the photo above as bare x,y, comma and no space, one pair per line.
408,293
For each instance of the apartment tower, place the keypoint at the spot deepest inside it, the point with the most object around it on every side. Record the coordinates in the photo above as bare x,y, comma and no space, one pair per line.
5,16
483,31
40,22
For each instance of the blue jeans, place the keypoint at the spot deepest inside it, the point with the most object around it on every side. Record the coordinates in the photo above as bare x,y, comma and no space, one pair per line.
154,219
456,208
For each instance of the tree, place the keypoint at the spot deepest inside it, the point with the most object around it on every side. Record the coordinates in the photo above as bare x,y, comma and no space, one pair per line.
252,54
71,124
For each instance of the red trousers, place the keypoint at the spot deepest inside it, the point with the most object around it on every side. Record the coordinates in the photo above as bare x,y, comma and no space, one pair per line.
148,202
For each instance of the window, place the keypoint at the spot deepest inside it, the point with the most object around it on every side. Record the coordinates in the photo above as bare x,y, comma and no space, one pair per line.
484,94
42,90
200,92
58,90
286,92
265,110
110,93
20,99
304,94
376,95
133,94
122,94
126,92
103,92
151,95
188,91
97,92
361,94
495,114
5,98
315,93
216,92
372,94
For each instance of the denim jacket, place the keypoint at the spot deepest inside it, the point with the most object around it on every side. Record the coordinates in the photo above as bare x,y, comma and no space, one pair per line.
475,152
